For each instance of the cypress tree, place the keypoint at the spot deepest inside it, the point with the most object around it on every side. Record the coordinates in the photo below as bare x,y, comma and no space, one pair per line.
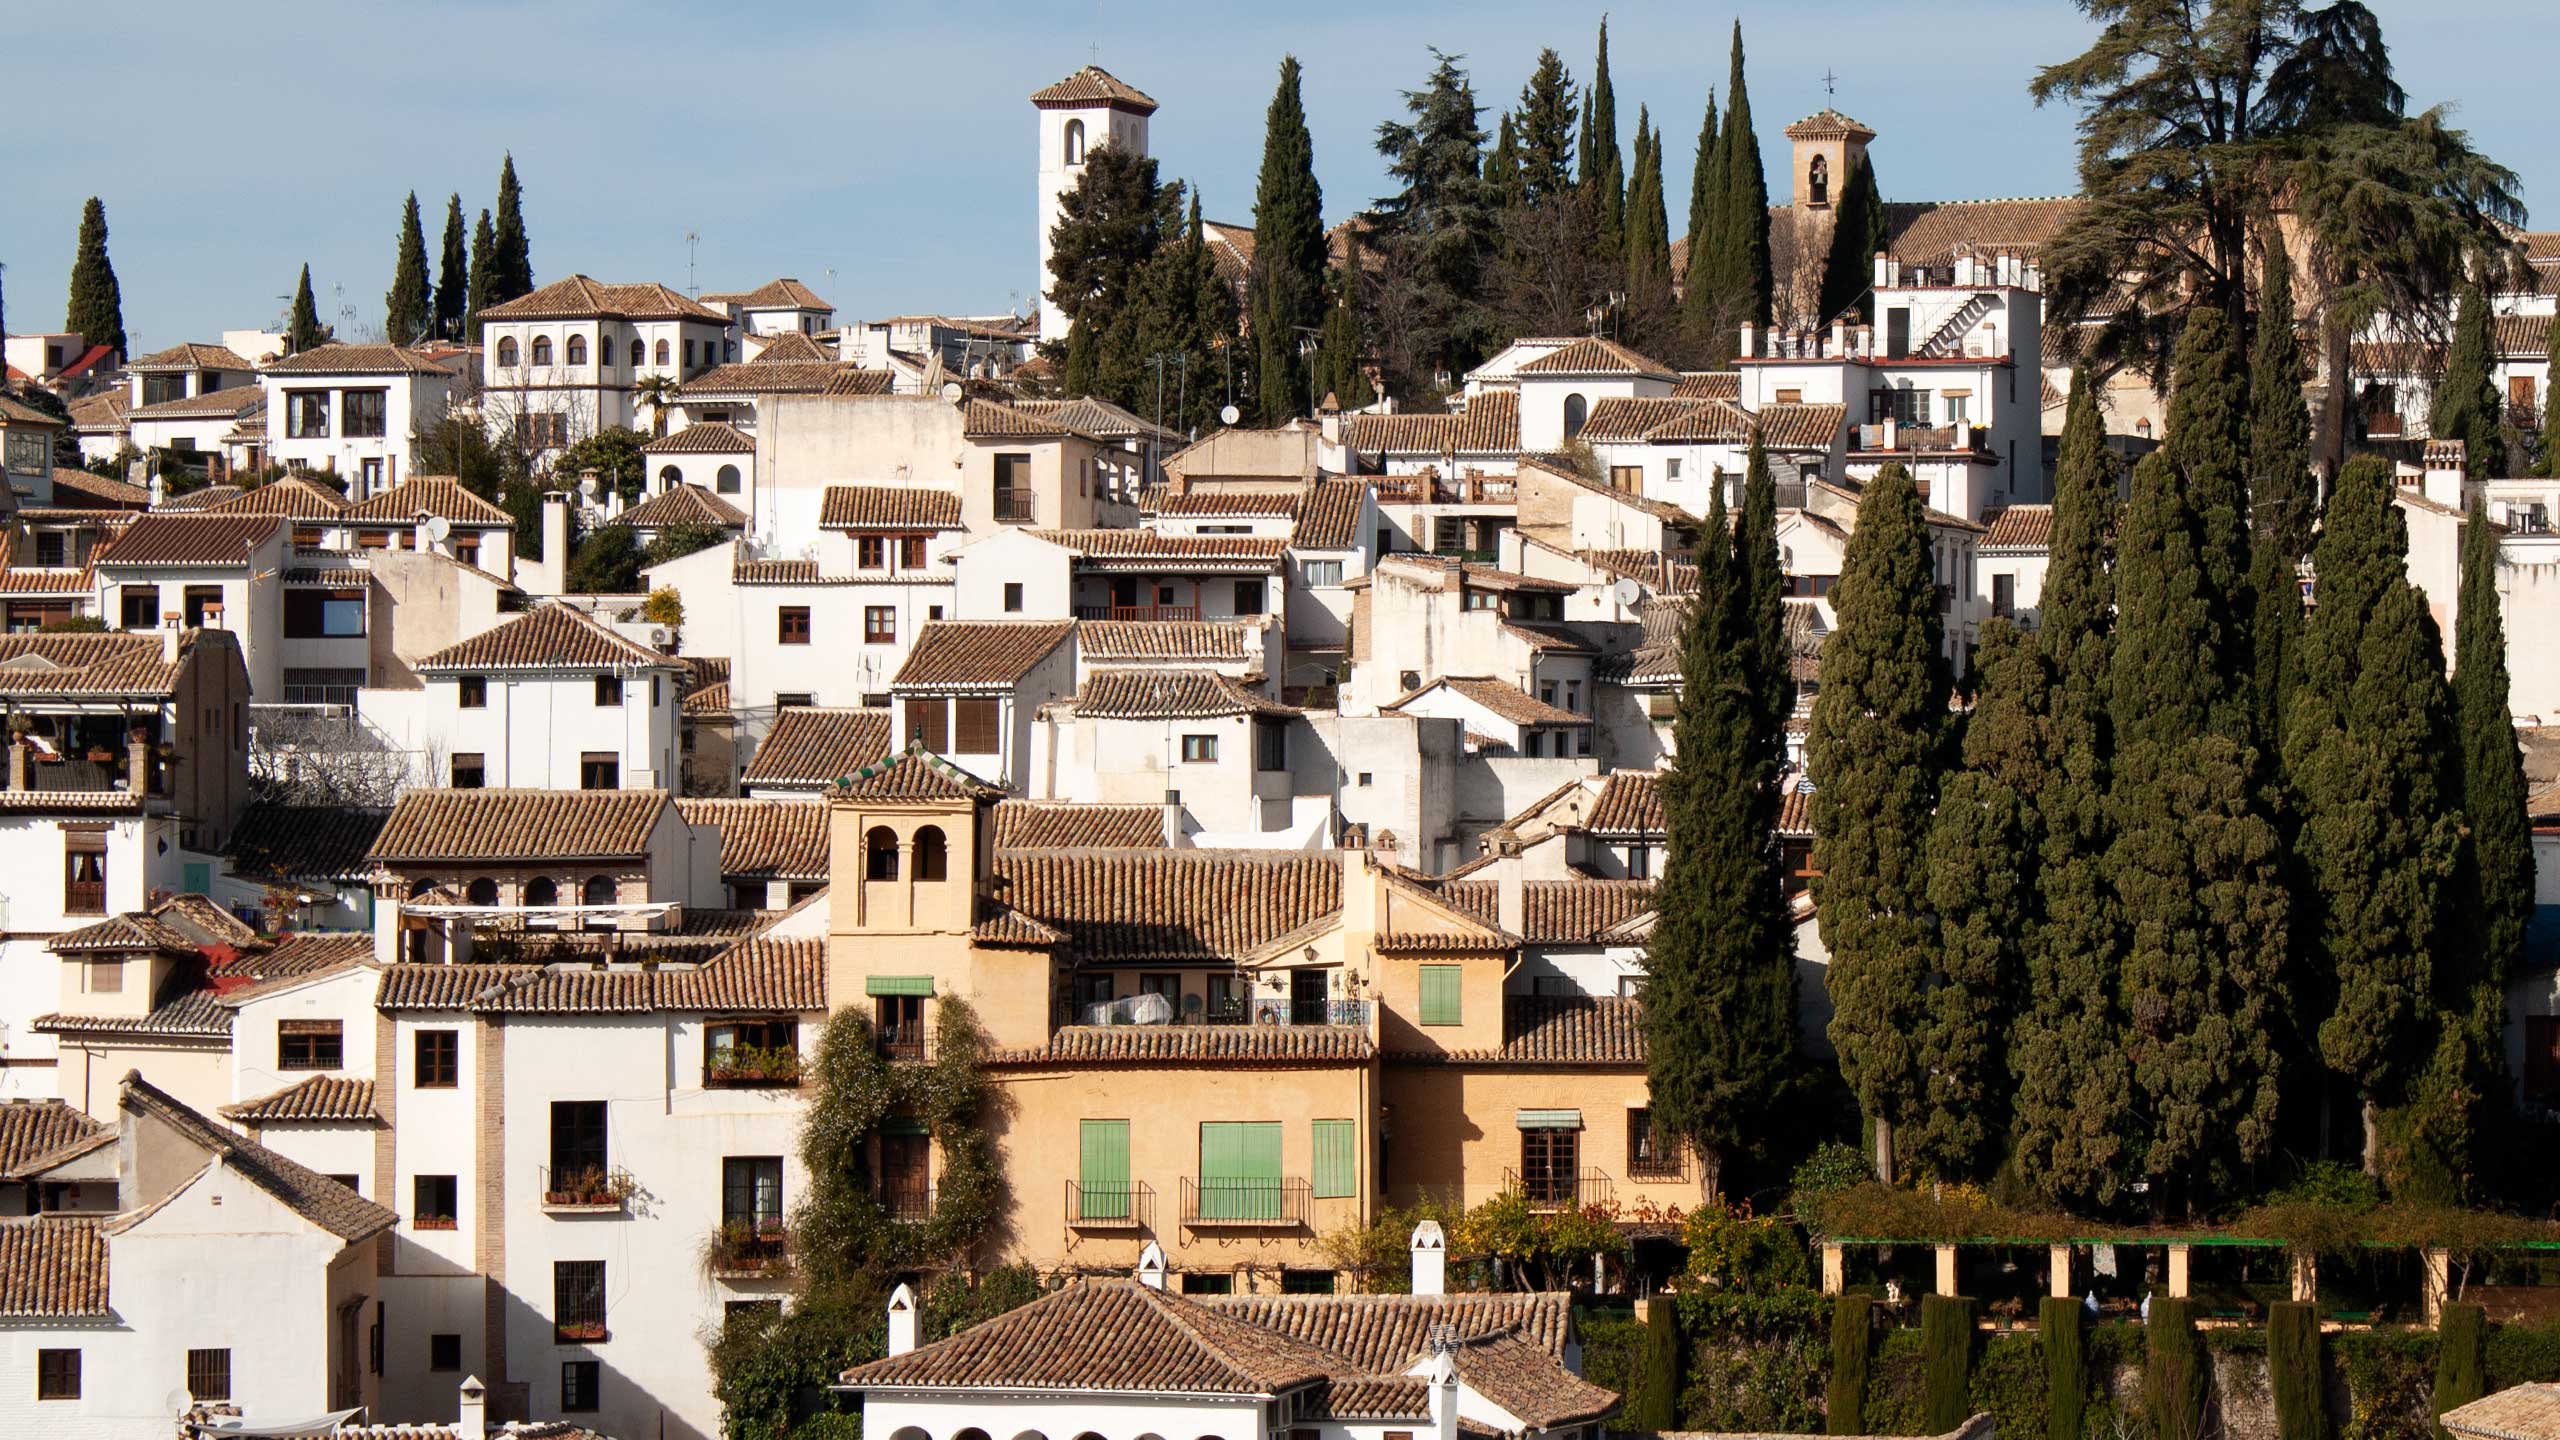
2551,404
96,312
302,332
1946,1348
511,267
453,275
1702,183
1648,224
1604,166
2461,1376
1857,233
1747,276
2293,1372
1844,1401
2066,1366
2074,1093
2282,495
2195,864
2208,447
1874,752
2174,1372
484,259
1342,369
406,309
1287,281
1698,311
2363,748
1761,583
2466,403
1546,133
1655,1405
1504,180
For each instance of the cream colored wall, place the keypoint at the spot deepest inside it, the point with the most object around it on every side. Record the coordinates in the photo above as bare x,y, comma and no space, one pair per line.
91,1072
1455,1131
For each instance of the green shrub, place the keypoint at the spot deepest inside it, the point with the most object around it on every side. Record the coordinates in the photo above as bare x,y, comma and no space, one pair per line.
1613,1344
2388,1375
2294,1372
1897,1402
1845,1399
2175,1373
1946,1337
2066,1366
2009,1383
2518,1354
1755,1362
2461,1365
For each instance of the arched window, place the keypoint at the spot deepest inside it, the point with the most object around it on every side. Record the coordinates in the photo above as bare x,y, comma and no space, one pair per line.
639,353
541,350
508,355
880,854
542,890
577,349
483,891
1576,410
1817,180
1075,142
669,477
663,352
972,1433
912,1432
933,856
599,890
421,886
729,349
729,480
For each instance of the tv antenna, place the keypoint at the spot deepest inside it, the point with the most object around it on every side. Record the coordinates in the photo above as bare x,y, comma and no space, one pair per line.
692,244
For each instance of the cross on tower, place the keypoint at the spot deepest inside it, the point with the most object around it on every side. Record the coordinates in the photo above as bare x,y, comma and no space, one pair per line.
1830,83
1093,52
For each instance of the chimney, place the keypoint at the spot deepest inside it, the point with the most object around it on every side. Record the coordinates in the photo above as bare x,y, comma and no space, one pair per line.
472,1410
1964,270
1440,1379
1173,821
1430,1259
169,642
1151,1266
1884,270
1511,895
419,539
1889,428
137,767
551,573
1750,336
17,764
1839,337
902,1320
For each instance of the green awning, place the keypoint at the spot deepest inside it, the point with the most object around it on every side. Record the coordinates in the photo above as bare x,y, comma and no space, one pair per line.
897,985
1550,1119
903,1125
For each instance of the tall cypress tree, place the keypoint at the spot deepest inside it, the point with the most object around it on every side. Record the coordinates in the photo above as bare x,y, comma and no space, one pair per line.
1287,281
1745,237
2207,446
2364,748
453,274
1857,233
1546,130
1648,224
2282,495
484,260
1874,751
2466,404
1604,166
96,311
511,268
407,308
1505,180
2551,405
302,332
1706,197
1342,369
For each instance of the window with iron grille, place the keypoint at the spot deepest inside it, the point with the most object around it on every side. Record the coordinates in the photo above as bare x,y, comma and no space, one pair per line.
57,1374
322,687
84,872
577,1301
439,1060
209,1374
310,1044
578,1386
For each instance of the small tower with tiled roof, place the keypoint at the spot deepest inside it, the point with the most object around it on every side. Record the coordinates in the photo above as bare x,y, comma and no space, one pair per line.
1079,115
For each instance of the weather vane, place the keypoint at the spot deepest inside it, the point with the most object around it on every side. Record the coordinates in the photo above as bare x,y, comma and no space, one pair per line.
1830,83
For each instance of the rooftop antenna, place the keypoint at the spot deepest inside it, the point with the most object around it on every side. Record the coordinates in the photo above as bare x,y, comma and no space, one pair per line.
692,243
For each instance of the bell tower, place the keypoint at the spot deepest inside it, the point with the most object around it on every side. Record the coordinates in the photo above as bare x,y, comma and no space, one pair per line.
1827,148
1079,115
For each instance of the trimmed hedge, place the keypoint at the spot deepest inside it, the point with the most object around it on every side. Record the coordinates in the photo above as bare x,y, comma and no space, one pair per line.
1844,1400
2461,1364
1946,1337
2294,1372
1654,1404
2175,1375
2066,1366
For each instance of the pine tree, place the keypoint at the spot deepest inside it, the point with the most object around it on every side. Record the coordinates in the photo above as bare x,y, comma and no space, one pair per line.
2074,1092
406,307
1435,235
1287,281
1111,223
2466,403
96,313
1874,753
302,332
1546,130
1744,241
1604,166
2195,863
511,267
453,275
484,260
2363,751
1857,233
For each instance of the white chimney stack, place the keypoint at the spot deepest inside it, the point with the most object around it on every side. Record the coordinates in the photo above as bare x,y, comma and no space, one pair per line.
1750,337
1884,274
1151,1266
1441,1381
1430,1259
472,1412
551,572
902,1320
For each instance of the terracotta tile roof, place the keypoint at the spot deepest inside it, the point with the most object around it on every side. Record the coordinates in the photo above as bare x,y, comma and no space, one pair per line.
1266,504
1208,642
325,1098
357,360
792,365
743,571
915,774
1146,550
1826,124
1384,1334
31,1129
1197,1044
1528,1383
315,1197
1065,825
299,957
783,294
684,505
79,487
1630,804
2530,1411
987,420
711,699
765,839
231,401
292,497
1580,911
550,637
703,670
193,355
1112,1335
305,842
438,495
505,825
1376,1397
999,924
1931,232
1330,518
862,382
195,1014
816,746
128,931
52,1266
113,663
1801,427
199,498
1647,567
1621,419
1584,1030
1533,470
888,507
761,974
1092,416
45,582
1161,694
580,298
2522,337
1595,356
1094,85
703,437
978,654
1795,810
1708,385
195,541
1130,906
2019,527
1501,697
1547,637
103,411
1490,425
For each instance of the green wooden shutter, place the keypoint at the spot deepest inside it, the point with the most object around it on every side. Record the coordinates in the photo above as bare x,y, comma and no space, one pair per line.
199,877
1337,1151
1240,1170
897,985
1103,1174
1440,988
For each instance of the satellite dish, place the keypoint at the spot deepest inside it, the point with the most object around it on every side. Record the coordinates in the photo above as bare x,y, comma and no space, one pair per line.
587,485
951,390
1629,593
438,529
1228,415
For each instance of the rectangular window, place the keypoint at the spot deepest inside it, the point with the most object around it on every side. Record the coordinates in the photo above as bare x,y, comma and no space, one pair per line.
1199,749
1306,1282
608,691
1240,1170
911,552
1956,406
471,692
1629,478
927,722
322,687
977,727
791,625
749,1052
577,1140
1323,572
2004,595
306,416
366,412
751,1191
57,1374
1013,597
1648,1155
434,1202
438,1063
599,770
310,1044
106,977
161,389
470,770
1337,1151
1550,1163
1639,862
1249,597
1102,1171
209,1374
871,552
141,606
793,700
84,872
1270,746
1013,489
1195,1283
577,1301
51,547
1671,468
578,1386
879,625
444,1353
323,614
1440,995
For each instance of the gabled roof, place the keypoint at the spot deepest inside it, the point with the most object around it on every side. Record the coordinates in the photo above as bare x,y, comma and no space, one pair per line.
1148,549
1630,806
549,637
441,496
703,437
1385,1334
2019,527
292,497
684,505
1708,385
113,663
1625,419
579,298
18,412
1500,697
814,746
1139,642
313,1196
187,1015
305,842
52,1266
229,402
203,497
988,420
1129,906
783,294
1162,694
1090,416
1801,426
77,488
506,825
193,355
888,507
1065,824
1490,425
1828,124
1110,1335
1581,1030
33,1129
1595,356
915,773
1330,517
792,364
1094,85
338,359
765,839
1526,1382
328,1099
978,654
201,542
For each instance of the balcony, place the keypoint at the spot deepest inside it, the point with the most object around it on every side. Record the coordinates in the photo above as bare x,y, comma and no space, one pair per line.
1269,1011
592,1190
1210,1204
1447,490
1138,612
750,1249
906,1201
1554,1193
1656,1168
1110,1207
901,1042
1014,507
752,1067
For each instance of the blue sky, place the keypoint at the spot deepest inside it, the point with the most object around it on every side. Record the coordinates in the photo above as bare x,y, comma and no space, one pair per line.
883,153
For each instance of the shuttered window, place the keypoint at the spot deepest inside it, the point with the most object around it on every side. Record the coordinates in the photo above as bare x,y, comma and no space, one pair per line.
1440,995
1103,1170
1240,1170
1337,1154
927,721
978,727
897,985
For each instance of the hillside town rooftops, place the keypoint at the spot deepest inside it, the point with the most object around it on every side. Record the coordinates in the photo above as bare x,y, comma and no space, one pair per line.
550,637
684,505
497,826
1067,824
577,297
951,655
813,746
703,437
439,497
888,507
196,542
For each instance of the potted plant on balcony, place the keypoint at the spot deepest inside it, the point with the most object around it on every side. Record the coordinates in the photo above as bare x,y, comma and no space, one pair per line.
588,1187
749,1247
756,1065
